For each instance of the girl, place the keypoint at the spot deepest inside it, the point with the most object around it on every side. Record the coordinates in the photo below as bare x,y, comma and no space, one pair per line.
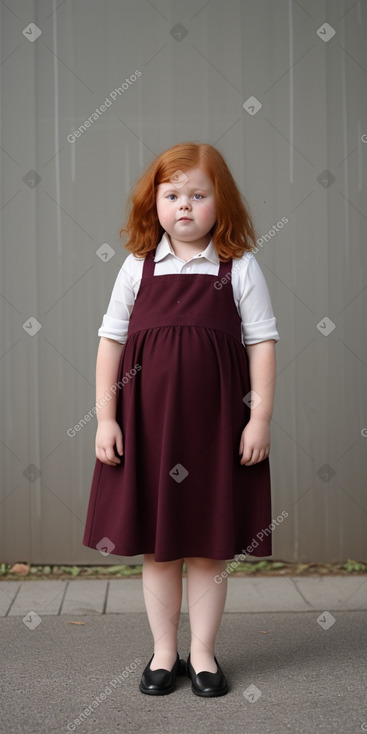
185,381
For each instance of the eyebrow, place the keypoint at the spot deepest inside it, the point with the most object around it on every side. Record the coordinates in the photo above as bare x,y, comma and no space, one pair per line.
193,188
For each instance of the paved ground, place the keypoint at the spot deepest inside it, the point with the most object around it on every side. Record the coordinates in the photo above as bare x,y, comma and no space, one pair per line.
293,651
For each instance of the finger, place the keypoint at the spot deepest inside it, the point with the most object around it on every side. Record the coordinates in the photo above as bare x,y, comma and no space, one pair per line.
120,446
111,463
263,454
104,458
109,457
110,453
100,455
254,458
246,456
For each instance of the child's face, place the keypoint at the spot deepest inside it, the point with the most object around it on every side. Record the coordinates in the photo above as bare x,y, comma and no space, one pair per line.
190,195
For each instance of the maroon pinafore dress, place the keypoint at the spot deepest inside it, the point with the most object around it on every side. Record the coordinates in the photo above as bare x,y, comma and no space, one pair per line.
180,489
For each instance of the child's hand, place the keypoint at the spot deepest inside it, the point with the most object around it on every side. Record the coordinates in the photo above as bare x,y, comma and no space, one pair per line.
108,434
255,441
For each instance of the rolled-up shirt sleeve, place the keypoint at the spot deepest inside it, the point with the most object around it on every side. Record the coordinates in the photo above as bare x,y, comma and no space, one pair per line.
254,304
115,321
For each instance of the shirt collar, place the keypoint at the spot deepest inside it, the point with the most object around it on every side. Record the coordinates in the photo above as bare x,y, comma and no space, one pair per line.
164,248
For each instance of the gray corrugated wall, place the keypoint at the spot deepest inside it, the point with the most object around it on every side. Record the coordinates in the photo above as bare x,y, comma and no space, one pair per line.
301,157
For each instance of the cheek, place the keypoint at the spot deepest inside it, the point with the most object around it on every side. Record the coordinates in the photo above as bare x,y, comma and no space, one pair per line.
207,212
162,209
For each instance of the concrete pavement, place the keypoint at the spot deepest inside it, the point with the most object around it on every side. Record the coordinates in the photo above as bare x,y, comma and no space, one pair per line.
293,650
245,594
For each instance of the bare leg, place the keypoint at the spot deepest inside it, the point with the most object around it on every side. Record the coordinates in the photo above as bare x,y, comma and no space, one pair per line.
206,601
162,589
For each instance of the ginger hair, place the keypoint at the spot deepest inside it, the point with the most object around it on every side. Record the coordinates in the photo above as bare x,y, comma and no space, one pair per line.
233,233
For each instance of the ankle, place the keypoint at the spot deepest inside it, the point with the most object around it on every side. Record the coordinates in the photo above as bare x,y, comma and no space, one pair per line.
203,660
164,658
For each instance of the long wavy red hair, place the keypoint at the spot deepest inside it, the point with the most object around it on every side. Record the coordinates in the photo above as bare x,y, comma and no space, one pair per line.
233,233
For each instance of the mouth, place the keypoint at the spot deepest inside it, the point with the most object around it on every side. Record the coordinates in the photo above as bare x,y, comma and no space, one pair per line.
185,219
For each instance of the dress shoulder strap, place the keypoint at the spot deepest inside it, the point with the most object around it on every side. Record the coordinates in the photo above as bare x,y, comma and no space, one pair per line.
149,264
225,269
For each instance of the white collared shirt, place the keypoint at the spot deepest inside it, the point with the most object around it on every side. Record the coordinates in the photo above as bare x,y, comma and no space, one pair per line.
250,291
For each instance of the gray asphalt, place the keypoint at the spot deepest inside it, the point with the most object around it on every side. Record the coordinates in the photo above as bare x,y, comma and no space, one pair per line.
293,651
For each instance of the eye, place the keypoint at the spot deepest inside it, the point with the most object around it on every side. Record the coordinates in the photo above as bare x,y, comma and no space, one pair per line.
175,196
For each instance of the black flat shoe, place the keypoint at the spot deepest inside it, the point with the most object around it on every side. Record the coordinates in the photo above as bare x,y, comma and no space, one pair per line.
207,684
160,682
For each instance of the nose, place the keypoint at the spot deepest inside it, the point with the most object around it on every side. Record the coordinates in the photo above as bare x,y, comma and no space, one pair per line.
184,204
